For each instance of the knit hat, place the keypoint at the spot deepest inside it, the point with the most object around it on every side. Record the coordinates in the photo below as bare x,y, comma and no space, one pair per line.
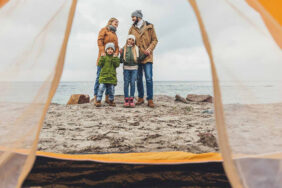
110,45
131,37
137,13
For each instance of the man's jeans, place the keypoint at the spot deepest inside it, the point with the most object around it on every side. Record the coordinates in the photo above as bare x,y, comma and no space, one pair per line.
110,88
129,77
148,69
96,85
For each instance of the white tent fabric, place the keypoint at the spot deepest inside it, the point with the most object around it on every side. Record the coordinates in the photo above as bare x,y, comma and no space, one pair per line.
242,51
245,56
33,38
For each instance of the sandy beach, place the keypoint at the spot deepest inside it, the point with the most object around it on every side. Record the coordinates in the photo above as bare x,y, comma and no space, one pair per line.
170,126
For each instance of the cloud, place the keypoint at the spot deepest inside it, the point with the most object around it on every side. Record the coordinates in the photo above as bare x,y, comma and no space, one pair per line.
176,28
183,64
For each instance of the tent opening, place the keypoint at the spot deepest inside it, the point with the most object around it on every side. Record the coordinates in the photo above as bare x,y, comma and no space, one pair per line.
242,44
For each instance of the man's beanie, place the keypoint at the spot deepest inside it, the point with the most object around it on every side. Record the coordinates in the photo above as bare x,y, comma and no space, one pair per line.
110,45
137,13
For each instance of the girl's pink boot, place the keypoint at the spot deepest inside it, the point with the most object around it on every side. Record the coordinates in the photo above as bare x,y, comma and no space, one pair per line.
126,103
131,102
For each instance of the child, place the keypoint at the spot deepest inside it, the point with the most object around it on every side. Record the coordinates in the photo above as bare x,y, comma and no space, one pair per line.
108,77
130,59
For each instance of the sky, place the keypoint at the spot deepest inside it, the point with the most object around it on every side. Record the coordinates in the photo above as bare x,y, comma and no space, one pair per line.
242,47
179,55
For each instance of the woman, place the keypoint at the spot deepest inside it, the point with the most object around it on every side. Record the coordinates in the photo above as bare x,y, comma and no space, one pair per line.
106,35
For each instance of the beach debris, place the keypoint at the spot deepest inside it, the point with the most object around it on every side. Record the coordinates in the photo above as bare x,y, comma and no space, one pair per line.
136,123
199,98
189,108
79,99
208,111
180,99
208,139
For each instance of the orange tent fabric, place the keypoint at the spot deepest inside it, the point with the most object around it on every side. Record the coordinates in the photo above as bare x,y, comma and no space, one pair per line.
3,2
270,11
143,158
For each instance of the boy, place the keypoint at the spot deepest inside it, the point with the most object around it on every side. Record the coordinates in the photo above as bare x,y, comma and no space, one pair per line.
108,78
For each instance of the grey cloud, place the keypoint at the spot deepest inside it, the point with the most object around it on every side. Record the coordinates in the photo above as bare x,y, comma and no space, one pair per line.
174,22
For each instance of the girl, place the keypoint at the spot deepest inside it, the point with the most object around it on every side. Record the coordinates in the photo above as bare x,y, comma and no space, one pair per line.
106,35
130,59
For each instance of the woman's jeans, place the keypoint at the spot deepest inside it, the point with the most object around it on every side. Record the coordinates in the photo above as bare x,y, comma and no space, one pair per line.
129,77
108,87
148,69
96,85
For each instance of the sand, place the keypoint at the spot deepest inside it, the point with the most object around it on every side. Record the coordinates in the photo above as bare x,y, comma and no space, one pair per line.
170,126
254,128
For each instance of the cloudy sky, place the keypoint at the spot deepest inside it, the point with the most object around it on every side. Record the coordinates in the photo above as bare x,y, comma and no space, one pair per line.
179,55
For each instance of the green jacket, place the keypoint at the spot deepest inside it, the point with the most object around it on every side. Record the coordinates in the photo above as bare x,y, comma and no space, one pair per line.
108,74
129,58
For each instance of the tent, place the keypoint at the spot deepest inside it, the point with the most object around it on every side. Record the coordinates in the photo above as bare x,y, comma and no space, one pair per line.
164,169
32,56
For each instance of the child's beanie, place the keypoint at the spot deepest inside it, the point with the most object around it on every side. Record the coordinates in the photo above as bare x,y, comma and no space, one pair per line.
131,37
110,45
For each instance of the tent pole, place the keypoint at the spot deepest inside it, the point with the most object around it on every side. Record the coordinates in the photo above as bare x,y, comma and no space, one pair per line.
225,149
55,82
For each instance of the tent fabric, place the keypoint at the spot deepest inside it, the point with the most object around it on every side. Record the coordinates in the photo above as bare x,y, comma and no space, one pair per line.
31,65
242,38
220,122
244,55
3,2
50,172
270,10
173,157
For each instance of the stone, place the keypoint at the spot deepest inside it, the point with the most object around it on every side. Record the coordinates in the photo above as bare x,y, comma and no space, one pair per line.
199,98
207,139
79,99
180,99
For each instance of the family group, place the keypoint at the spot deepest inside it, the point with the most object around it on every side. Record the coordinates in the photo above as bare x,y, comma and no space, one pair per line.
136,57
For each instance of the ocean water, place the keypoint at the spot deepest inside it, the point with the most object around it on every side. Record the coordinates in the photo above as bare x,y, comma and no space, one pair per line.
170,88
247,93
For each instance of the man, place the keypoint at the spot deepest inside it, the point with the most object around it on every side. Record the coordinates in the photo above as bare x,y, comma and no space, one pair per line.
146,40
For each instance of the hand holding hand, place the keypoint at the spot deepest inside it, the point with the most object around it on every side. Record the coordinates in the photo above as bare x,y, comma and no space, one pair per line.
147,52
115,54
103,54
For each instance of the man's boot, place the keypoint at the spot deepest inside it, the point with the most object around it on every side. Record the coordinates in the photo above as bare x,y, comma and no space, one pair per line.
98,104
140,101
151,104
112,103
107,99
95,99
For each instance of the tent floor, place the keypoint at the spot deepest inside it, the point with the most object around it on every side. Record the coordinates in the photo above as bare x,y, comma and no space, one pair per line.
59,173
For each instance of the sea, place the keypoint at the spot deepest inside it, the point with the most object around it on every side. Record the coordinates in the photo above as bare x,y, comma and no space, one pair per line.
232,93
169,88
249,93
